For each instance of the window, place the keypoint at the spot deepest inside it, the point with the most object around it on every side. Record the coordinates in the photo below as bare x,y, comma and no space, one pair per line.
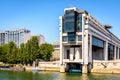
110,52
79,37
79,23
69,12
71,37
69,27
79,27
69,18
64,38
97,42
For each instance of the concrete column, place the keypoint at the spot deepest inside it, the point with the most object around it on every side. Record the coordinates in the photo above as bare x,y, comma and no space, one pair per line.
90,48
85,53
71,53
77,54
85,68
65,53
62,68
106,50
61,45
118,53
114,52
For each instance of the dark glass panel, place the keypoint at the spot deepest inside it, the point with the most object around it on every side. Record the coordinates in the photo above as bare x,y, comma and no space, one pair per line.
71,37
79,37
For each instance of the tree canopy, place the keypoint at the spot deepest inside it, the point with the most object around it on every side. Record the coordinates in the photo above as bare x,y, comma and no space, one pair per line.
27,53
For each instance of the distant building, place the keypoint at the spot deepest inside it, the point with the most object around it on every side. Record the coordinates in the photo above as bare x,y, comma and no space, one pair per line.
41,39
56,53
2,37
18,36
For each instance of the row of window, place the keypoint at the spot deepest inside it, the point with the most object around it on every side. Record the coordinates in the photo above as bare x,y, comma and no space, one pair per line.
71,38
72,21
97,42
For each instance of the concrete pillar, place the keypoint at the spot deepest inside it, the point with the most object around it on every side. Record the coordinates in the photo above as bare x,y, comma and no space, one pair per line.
90,48
85,51
114,52
61,45
84,68
77,54
71,53
106,50
85,45
62,68
118,53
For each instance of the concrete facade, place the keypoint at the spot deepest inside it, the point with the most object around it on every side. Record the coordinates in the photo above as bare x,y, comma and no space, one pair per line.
83,39
56,53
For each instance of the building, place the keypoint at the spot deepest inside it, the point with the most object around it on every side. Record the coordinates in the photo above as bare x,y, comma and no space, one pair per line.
56,53
2,37
16,35
84,40
41,39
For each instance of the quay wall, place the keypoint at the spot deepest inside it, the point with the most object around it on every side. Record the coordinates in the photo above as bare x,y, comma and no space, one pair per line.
106,66
49,66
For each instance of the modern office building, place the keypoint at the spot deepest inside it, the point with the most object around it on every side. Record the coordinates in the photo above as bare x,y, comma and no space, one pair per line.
16,35
83,39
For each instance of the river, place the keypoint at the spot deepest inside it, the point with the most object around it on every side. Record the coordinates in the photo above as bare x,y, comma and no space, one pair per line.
42,75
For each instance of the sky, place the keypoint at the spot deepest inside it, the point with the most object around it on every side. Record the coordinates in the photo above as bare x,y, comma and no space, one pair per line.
42,16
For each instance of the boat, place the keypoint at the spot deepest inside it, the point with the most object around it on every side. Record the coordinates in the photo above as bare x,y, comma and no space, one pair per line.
75,70
36,69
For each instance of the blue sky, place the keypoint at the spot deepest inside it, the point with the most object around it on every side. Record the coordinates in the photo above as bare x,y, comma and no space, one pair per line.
42,16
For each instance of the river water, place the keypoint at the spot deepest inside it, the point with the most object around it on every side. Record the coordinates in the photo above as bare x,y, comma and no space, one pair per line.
18,75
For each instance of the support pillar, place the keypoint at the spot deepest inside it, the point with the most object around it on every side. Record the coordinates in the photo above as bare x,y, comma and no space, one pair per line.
114,52
62,68
84,68
90,48
118,53
106,51
85,52
90,65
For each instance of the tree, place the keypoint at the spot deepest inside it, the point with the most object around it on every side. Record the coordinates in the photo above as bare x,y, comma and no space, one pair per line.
21,55
32,49
3,53
46,51
12,52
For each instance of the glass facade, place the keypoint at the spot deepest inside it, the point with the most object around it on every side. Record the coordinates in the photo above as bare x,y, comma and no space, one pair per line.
69,12
97,42
72,23
65,39
119,53
79,23
110,52
69,21
69,27
79,37
71,37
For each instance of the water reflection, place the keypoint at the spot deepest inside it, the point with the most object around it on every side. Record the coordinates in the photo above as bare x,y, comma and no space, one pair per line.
16,75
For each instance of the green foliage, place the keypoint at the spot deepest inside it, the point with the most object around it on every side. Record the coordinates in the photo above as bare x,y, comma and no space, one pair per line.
12,52
46,51
27,53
